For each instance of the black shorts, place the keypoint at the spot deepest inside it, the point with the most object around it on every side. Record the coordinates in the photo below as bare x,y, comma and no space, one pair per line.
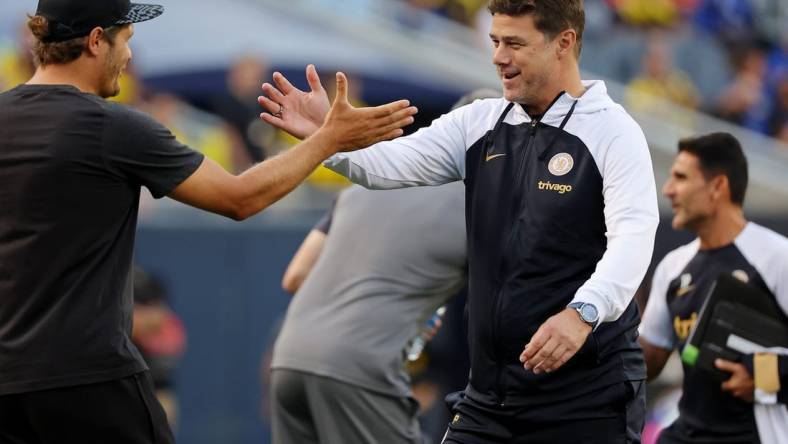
121,411
612,415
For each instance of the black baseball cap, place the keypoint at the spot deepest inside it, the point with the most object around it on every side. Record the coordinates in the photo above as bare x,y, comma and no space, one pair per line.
70,19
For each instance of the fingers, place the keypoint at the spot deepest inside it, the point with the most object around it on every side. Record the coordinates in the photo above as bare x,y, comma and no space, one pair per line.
389,108
313,79
403,114
543,358
342,89
727,366
390,122
272,120
283,84
532,348
563,359
273,93
402,120
557,358
269,105
387,136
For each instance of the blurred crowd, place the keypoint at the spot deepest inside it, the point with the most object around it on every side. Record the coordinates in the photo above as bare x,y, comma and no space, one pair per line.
728,58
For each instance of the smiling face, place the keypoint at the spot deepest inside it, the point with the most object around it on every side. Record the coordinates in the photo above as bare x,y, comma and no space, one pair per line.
525,58
691,194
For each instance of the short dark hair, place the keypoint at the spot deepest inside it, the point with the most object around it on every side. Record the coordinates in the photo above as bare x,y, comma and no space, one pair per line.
55,53
720,154
551,17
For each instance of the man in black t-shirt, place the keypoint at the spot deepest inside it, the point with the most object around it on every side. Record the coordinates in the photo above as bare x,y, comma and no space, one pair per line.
71,168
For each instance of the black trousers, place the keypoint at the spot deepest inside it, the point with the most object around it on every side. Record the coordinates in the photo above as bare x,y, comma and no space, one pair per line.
121,411
613,415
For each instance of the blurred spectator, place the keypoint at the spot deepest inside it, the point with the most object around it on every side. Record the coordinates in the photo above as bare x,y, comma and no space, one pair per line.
461,11
739,100
646,12
160,336
239,106
659,81
198,129
16,60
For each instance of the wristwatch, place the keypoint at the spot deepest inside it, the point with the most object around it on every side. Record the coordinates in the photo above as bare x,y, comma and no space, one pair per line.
588,313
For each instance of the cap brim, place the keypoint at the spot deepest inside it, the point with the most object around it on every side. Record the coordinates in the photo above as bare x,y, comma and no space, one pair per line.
141,13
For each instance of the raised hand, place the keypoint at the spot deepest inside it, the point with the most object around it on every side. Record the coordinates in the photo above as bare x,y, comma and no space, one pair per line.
556,341
292,110
349,128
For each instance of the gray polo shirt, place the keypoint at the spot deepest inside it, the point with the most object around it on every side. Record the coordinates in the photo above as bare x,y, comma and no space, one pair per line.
390,260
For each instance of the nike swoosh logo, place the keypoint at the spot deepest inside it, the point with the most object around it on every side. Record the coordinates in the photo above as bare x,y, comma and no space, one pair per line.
493,156
684,290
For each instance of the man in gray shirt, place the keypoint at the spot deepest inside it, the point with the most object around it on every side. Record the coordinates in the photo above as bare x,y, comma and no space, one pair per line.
389,261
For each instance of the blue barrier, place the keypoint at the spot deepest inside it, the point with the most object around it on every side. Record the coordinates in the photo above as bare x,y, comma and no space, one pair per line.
225,286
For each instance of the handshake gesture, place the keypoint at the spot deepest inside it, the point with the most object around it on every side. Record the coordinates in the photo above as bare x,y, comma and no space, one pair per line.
343,126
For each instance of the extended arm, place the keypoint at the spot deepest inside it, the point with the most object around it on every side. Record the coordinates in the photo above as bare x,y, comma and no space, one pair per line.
432,156
345,128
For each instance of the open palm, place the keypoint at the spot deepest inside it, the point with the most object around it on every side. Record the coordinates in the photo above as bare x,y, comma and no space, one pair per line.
297,112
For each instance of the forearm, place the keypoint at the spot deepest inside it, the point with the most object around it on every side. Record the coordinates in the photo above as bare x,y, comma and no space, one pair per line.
417,160
621,270
631,219
656,358
267,182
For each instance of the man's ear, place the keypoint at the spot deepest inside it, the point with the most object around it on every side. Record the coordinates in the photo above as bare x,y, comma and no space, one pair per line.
95,38
721,188
566,42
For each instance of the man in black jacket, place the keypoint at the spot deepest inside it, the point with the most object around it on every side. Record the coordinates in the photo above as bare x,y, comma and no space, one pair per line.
561,214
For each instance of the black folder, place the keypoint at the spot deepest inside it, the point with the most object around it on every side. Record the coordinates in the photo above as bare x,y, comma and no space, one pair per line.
736,319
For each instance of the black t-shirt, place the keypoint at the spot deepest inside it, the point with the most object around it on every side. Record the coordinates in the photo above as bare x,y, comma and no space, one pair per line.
71,168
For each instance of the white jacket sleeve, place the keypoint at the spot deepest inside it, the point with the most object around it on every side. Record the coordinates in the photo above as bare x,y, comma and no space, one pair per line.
431,156
631,217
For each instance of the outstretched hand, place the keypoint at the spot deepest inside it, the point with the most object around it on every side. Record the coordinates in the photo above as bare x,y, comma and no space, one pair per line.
297,112
351,128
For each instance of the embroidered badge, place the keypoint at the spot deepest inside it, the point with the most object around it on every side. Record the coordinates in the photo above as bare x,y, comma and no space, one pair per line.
561,164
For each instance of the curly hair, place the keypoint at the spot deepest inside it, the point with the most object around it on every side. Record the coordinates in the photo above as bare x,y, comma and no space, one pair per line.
53,53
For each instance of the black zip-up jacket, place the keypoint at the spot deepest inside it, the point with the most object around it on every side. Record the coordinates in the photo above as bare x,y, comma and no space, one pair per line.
559,209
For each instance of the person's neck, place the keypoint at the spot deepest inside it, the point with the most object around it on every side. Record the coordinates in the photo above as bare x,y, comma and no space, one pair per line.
568,81
66,74
723,229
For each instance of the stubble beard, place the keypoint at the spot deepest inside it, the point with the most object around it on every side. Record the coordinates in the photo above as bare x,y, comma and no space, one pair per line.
112,72
530,92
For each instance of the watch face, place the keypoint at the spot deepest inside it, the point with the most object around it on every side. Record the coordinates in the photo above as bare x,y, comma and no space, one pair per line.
589,313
